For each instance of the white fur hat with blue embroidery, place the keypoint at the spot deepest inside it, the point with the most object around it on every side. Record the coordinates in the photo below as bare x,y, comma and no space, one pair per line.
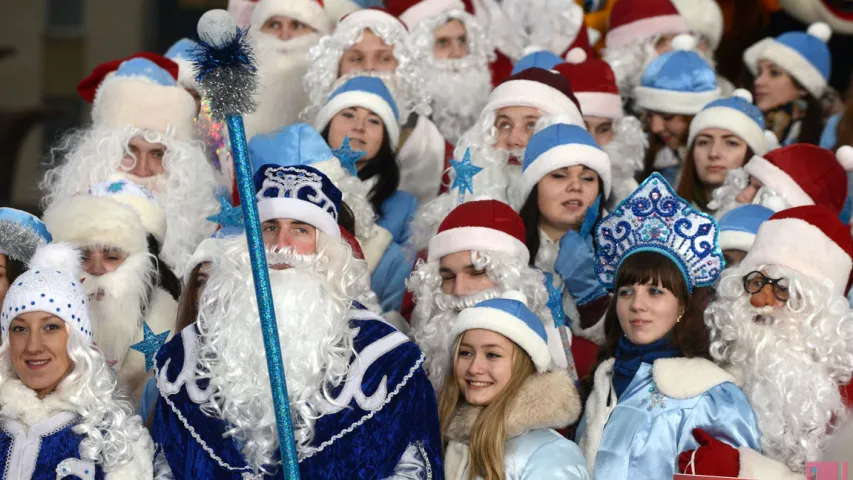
51,285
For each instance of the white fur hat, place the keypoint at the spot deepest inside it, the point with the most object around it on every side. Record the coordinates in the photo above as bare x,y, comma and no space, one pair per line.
703,17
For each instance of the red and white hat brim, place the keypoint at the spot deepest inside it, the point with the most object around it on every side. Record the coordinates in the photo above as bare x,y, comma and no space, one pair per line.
600,104
646,28
476,238
777,180
426,9
799,245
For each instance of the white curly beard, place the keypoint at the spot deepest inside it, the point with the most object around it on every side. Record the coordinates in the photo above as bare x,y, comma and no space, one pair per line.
626,152
791,360
724,197
459,91
628,63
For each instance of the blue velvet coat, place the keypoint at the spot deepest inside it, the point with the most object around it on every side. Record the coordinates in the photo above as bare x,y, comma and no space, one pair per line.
389,427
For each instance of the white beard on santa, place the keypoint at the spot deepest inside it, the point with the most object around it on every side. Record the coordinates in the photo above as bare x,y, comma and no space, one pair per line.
791,361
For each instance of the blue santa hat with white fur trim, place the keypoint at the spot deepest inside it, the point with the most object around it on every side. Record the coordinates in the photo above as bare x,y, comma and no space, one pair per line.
804,55
286,186
558,146
181,53
678,82
51,285
738,115
536,58
509,316
367,92
739,226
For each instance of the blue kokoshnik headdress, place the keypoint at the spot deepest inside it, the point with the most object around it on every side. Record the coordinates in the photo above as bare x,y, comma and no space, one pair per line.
655,219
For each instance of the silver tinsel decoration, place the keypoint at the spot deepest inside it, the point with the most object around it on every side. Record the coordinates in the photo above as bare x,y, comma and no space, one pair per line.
18,242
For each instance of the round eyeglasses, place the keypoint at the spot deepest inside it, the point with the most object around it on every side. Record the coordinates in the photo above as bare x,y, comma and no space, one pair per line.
753,282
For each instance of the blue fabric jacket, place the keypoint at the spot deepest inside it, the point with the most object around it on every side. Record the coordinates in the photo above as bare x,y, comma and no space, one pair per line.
387,424
641,434
388,280
396,215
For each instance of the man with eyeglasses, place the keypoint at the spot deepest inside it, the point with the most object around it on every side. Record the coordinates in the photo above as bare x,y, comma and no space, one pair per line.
782,325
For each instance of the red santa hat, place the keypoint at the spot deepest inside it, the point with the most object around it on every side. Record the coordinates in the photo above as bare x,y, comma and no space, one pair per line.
805,174
413,12
483,225
141,90
810,240
546,90
636,20
309,12
594,84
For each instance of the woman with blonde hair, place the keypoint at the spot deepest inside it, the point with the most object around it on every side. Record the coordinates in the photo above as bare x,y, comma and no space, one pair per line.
502,400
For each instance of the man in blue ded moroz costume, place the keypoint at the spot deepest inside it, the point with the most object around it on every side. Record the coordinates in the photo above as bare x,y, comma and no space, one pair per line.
361,404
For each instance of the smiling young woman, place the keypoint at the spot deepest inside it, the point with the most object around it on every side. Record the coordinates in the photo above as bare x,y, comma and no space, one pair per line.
53,379
501,400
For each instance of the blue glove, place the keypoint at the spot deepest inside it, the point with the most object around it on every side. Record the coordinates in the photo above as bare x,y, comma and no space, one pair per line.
576,261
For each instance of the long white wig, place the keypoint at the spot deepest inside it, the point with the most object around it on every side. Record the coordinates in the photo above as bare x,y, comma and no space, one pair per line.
436,312
459,88
325,58
312,299
186,192
548,24
792,360
107,422
626,152
724,196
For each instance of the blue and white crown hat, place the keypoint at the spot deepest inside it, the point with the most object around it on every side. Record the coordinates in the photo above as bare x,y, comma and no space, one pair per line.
509,316
678,82
804,55
297,144
143,94
286,186
738,115
21,233
51,285
655,219
181,53
739,227
558,146
364,91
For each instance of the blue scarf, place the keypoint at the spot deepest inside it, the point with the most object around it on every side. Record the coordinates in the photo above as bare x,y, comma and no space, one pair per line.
629,357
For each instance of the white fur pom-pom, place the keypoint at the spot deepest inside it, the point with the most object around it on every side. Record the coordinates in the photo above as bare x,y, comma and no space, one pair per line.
772,141
576,55
594,35
57,256
845,157
216,27
515,295
821,31
742,93
684,42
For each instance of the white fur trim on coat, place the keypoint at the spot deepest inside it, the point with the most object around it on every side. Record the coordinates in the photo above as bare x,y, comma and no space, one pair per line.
374,247
476,238
141,467
726,118
671,101
801,246
789,60
427,9
20,402
776,178
142,103
599,406
309,12
688,377
758,467
84,220
594,334
642,29
527,93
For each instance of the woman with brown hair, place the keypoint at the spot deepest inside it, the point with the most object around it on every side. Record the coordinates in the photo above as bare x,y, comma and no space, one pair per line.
654,384
791,74
723,137
502,399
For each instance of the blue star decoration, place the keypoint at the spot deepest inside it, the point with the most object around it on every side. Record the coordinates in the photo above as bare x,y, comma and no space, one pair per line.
229,215
348,156
116,187
465,172
150,345
555,301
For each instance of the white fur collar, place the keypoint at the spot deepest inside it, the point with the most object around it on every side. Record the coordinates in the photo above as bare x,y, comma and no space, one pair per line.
20,402
688,377
375,246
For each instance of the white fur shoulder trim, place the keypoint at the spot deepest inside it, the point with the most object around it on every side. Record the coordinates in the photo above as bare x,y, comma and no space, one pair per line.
599,406
21,403
374,247
757,466
688,377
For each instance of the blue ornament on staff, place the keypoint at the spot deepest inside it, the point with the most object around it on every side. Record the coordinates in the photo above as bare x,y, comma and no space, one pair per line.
228,78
